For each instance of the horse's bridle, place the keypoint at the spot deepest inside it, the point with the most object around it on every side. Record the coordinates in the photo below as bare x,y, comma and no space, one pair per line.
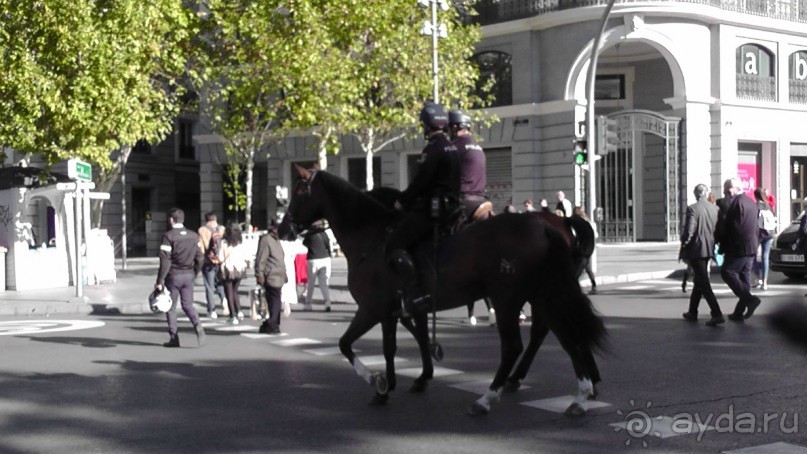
306,192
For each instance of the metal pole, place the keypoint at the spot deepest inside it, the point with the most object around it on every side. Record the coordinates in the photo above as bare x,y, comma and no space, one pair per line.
79,225
123,214
435,37
590,135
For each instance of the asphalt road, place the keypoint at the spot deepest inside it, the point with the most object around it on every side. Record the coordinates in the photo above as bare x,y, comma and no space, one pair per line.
113,388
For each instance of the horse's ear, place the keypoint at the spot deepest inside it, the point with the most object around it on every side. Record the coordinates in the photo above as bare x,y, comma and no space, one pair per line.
304,174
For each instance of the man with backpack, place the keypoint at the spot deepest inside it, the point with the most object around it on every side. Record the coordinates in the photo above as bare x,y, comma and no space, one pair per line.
209,243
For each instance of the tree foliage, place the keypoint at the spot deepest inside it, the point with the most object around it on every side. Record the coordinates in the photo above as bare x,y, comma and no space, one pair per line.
81,78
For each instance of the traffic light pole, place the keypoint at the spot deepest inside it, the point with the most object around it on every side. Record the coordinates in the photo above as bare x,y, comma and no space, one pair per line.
590,132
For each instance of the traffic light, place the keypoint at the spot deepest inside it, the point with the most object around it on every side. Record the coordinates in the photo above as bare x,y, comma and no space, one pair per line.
580,152
608,136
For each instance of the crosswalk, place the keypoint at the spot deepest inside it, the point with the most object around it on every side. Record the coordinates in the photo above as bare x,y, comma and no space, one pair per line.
654,426
673,287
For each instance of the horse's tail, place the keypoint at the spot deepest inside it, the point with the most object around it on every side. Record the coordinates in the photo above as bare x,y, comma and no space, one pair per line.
568,308
791,321
584,238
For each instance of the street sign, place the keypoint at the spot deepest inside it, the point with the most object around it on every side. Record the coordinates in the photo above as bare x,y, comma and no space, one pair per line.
79,170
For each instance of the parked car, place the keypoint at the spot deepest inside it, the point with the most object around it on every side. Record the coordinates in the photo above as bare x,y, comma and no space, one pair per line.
783,258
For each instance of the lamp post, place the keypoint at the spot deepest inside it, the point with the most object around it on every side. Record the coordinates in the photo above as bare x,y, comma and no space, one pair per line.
590,134
435,30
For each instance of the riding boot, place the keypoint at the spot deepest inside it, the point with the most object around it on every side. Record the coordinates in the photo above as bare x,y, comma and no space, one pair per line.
410,295
173,342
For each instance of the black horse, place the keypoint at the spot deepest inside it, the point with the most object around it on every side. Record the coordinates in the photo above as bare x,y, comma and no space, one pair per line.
510,259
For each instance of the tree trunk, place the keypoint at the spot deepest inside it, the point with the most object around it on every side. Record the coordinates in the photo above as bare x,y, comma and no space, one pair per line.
105,182
250,167
322,156
368,150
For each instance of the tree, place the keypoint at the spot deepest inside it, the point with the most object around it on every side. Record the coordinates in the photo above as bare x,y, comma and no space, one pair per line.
394,71
87,79
244,99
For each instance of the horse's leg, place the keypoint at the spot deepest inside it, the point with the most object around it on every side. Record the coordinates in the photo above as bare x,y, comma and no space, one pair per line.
388,327
585,389
538,333
359,326
594,371
511,347
420,331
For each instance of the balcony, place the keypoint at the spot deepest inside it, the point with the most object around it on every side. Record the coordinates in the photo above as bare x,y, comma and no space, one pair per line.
497,11
798,91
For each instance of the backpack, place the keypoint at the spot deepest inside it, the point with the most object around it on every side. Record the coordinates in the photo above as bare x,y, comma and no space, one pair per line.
767,220
212,250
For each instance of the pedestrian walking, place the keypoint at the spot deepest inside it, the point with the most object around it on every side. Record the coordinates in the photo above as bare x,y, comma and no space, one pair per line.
738,239
319,263
580,212
767,230
234,257
564,204
209,242
270,272
528,206
180,262
697,248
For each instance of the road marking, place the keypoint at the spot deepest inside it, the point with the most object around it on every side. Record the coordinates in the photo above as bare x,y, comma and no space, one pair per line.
772,448
561,403
478,387
325,351
638,424
296,341
415,372
17,328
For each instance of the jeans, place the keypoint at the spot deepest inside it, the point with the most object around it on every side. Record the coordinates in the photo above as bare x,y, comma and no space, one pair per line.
762,265
319,270
212,287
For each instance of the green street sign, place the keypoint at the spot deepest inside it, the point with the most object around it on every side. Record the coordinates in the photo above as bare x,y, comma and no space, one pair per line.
79,170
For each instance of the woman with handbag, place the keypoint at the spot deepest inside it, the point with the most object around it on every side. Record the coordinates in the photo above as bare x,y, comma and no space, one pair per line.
234,259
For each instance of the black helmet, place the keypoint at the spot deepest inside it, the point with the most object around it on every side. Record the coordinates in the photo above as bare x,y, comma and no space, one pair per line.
459,118
433,116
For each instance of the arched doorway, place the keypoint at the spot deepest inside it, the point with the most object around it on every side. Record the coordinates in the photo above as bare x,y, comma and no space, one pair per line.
639,177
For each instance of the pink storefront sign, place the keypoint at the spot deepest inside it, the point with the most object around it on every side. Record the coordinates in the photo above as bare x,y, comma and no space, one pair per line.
747,173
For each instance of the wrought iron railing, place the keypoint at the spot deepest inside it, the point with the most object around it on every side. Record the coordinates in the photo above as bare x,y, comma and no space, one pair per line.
758,88
497,11
798,91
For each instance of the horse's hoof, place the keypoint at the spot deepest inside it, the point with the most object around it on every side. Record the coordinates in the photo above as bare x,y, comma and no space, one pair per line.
380,383
476,409
575,409
511,386
379,400
419,386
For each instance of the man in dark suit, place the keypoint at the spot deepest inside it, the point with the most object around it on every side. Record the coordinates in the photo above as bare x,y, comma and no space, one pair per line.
697,248
737,236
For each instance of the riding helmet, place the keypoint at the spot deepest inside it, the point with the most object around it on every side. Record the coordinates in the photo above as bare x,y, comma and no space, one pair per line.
459,118
433,116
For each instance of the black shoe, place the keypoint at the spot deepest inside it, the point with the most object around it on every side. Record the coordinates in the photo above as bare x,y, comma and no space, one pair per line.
173,342
752,306
200,334
714,321
736,317
690,317
264,329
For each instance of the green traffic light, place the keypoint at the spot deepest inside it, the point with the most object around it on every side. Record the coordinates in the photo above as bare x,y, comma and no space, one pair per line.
580,158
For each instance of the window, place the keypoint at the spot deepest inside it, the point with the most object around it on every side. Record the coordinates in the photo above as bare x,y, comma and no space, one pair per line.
798,77
495,78
186,150
756,73
357,171
609,87
142,147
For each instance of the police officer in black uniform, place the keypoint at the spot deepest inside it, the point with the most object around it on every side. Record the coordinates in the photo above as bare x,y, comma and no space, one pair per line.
437,177
473,164
180,262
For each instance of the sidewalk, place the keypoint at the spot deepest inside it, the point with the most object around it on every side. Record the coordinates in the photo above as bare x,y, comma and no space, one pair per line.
615,263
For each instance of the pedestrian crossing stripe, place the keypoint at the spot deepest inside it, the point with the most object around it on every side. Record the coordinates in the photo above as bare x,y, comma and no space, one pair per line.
415,372
325,351
561,403
660,426
477,387
779,447
296,341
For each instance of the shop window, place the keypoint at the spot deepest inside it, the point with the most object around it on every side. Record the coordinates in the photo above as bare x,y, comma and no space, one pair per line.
756,74
609,87
798,77
495,78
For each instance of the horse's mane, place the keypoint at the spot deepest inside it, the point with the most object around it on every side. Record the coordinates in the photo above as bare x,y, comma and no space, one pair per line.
360,206
385,196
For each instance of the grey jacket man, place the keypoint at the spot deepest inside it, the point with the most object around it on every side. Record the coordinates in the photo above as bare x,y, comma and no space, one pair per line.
270,267
698,237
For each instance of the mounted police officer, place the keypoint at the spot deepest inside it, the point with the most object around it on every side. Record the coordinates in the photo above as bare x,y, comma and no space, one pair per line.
430,197
473,164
